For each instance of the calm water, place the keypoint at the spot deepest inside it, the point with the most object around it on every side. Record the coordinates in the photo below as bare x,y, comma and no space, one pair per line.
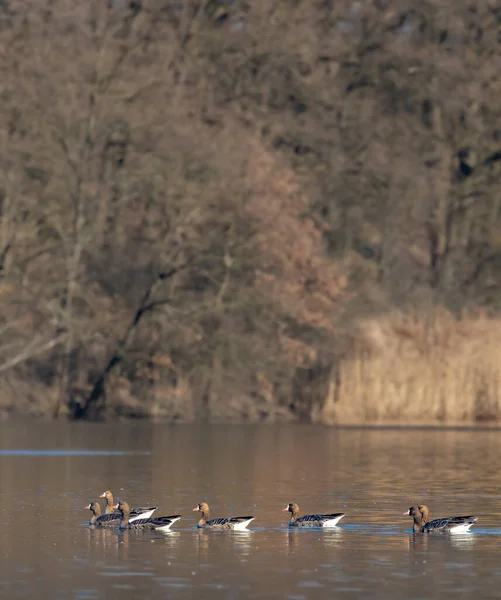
49,472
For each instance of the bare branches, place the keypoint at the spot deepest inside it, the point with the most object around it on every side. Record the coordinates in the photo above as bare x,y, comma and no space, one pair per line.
196,192
34,348
89,409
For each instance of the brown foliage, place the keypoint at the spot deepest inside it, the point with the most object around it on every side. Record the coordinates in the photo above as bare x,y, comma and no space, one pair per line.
407,371
204,203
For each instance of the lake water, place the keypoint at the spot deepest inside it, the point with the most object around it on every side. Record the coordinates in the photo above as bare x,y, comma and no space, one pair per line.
50,471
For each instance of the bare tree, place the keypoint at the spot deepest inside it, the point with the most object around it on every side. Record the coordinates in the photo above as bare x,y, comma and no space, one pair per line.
200,199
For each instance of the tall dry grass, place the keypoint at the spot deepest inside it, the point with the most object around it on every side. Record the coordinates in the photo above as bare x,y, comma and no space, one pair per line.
416,370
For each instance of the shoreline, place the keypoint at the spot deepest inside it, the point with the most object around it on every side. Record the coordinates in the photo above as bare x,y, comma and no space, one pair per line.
369,425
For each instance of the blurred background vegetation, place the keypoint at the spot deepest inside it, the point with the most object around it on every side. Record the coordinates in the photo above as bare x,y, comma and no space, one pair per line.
230,210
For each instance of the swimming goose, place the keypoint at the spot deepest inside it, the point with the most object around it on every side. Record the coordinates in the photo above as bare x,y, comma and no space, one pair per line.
238,523
422,523
159,523
319,520
111,519
135,513
99,520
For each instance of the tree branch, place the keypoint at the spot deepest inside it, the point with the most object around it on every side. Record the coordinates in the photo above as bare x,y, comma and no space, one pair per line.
89,409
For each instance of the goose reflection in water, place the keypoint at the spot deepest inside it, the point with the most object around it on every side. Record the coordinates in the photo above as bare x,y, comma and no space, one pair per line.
418,542
171,538
107,542
331,539
241,541
297,539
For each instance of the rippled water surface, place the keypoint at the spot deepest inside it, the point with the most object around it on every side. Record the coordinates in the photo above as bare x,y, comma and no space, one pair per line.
49,472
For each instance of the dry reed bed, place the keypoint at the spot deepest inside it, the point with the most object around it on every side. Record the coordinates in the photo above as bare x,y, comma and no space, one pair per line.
410,370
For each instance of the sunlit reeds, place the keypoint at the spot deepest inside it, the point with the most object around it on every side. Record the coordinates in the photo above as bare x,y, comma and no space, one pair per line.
416,370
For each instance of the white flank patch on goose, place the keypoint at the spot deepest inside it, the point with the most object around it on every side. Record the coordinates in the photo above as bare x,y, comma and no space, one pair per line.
164,527
243,524
332,522
145,515
461,528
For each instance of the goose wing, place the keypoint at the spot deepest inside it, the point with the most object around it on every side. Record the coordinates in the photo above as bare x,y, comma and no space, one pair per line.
449,523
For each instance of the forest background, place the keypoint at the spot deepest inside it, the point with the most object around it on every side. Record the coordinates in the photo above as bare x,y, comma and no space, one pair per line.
251,211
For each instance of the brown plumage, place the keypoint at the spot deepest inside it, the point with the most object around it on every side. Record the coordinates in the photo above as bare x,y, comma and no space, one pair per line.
423,524
99,520
317,520
420,514
160,523
135,513
222,522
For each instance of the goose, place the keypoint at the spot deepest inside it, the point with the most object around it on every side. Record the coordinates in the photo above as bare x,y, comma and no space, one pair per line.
111,519
135,513
99,520
422,523
159,523
237,523
318,520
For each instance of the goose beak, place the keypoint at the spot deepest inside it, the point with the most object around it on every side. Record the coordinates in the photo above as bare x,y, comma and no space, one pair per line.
115,507
196,508
285,509
103,495
406,513
88,506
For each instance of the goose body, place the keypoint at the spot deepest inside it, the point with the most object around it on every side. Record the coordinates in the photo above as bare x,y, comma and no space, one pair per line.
99,520
135,513
111,519
318,520
223,523
423,523
159,523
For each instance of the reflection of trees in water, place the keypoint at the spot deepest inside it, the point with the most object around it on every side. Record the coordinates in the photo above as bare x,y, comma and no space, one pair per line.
351,470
